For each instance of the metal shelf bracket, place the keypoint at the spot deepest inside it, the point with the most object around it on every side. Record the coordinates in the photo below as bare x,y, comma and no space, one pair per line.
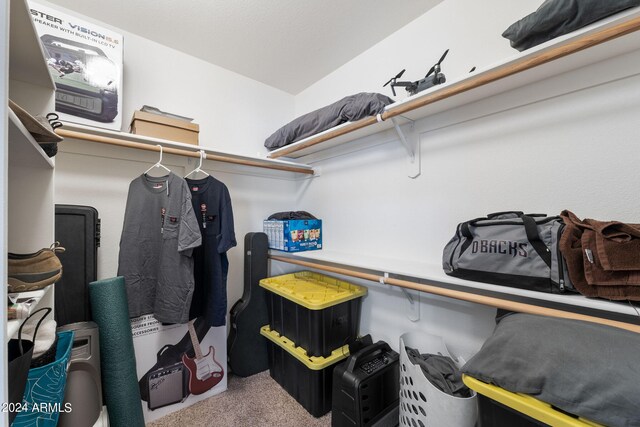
410,140
413,299
413,306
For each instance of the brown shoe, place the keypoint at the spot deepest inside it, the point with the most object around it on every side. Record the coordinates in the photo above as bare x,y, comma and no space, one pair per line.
39,127
30,272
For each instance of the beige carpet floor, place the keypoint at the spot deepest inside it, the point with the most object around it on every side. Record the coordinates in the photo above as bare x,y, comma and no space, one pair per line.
254,401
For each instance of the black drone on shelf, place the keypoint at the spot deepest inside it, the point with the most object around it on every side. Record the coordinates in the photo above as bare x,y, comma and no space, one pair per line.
434,77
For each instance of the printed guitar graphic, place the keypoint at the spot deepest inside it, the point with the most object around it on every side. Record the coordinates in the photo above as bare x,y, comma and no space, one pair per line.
204,371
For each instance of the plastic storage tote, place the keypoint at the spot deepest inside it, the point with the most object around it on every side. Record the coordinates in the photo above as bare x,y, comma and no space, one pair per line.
421,403
498,407
308,379
316,312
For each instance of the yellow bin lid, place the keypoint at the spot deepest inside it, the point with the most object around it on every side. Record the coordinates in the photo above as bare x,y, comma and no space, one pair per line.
527,405
314,363
313,290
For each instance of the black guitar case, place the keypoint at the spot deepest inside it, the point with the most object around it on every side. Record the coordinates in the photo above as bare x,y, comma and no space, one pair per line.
247,349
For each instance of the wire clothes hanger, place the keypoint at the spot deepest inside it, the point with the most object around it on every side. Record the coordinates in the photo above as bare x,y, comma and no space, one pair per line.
159,164
203,156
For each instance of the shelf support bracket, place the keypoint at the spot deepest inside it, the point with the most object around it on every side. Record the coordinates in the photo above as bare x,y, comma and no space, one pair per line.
413,306
413,299
410,140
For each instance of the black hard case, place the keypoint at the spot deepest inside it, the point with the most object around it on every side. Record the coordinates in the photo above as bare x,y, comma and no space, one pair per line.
78,231
362,399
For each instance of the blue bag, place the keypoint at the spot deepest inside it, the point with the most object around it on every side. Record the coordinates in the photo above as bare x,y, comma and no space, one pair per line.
44,393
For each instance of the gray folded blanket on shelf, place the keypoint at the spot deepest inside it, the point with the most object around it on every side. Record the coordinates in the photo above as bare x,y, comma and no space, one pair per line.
555,18
586,369
441,371
348,109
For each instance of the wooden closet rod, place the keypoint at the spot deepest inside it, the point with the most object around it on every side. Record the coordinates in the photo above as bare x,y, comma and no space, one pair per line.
177,151
464,296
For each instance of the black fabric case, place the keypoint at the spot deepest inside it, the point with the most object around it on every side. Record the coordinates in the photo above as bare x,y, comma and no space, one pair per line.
247,350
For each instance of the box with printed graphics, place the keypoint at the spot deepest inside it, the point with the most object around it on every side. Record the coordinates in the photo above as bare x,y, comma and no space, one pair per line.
294,235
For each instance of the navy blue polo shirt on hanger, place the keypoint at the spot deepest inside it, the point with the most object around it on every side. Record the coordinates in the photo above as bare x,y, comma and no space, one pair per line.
212,206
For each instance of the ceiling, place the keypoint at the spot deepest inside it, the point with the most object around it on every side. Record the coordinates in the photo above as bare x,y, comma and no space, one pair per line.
287,44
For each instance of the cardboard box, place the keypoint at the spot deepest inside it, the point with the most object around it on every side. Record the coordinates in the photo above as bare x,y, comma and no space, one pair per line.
158,126
294,235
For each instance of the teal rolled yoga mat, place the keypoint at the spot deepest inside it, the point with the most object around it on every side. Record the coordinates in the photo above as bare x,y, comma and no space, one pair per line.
117,357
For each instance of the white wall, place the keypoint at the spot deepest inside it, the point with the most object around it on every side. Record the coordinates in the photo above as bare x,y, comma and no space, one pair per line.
235,113
471,30
564,143
99,176
569,142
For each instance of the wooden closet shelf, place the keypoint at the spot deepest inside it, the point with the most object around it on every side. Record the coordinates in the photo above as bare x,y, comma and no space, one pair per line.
599,41
428,280
170,147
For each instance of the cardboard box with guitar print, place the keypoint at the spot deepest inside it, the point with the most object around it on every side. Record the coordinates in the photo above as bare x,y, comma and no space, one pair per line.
178,365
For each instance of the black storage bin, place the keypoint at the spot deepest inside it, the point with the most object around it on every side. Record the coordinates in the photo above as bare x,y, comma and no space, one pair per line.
307,379
500,407
492,413
317,312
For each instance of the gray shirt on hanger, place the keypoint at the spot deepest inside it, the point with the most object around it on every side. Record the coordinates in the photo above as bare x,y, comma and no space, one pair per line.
160,230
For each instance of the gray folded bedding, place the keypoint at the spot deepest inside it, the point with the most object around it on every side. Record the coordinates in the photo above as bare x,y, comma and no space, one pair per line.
348,109
583,368
558,17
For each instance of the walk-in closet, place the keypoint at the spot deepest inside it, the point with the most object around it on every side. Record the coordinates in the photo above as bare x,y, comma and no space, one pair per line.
346,214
